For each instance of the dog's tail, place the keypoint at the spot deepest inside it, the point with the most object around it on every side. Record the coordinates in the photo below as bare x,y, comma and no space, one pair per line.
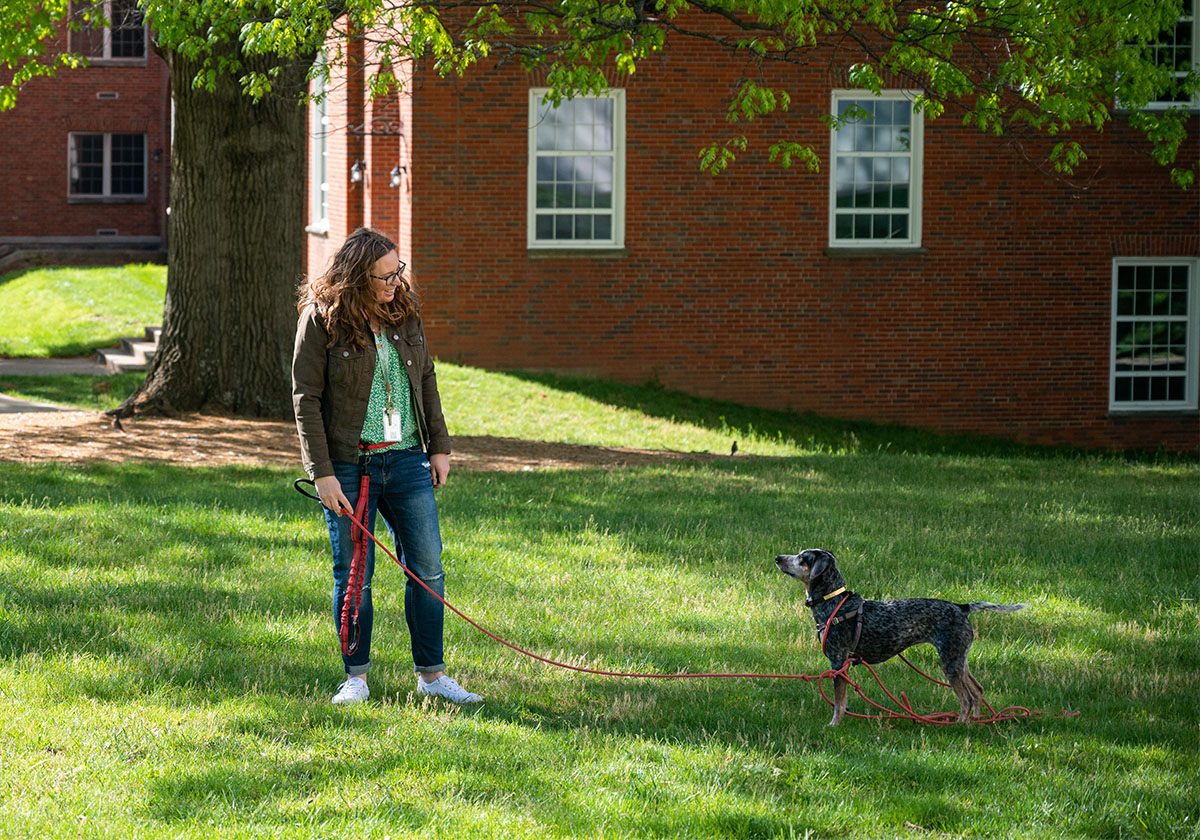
990,607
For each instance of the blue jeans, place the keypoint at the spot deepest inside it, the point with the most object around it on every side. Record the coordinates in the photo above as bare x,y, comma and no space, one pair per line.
402,491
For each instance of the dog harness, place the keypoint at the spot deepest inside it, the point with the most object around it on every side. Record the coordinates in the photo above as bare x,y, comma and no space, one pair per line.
835,619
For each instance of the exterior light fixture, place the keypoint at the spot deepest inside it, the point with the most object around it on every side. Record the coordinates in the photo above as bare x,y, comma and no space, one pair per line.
395,176
357,171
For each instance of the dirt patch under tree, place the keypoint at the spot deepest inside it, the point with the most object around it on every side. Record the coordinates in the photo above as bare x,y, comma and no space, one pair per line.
86,436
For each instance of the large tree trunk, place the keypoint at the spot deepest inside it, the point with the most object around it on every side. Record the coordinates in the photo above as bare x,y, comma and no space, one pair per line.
236,248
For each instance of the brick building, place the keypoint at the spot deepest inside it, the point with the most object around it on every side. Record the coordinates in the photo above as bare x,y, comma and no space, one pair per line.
87,153
929,275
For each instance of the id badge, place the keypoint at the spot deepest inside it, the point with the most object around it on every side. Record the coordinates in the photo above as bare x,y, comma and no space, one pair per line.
393,428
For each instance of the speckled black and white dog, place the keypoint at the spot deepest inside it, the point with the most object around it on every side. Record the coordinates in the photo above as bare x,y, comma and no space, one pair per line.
875,631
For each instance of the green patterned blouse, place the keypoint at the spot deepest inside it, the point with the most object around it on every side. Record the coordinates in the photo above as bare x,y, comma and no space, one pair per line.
401,400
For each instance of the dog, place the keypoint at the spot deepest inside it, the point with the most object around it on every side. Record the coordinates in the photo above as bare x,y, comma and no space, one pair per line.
875,631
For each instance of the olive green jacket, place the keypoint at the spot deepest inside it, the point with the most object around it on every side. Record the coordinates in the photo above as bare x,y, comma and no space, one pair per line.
331,386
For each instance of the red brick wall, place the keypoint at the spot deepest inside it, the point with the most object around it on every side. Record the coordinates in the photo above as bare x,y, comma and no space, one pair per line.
34,179
375,133
726,288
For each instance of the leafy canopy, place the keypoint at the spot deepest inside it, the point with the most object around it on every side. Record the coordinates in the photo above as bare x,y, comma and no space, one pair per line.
1016,67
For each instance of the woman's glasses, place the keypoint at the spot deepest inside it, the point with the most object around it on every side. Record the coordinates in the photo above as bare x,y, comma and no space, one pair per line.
393,278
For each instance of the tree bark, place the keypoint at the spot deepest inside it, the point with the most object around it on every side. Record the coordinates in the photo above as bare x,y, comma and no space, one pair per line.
236,248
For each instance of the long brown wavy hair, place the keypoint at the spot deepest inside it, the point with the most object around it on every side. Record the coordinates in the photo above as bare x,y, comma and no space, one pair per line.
346,297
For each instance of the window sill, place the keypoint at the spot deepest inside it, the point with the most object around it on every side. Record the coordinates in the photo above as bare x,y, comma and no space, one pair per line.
106,199
839,252
536,253
1150,413
319,229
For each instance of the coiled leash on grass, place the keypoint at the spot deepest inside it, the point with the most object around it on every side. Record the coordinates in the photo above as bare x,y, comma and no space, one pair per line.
904,710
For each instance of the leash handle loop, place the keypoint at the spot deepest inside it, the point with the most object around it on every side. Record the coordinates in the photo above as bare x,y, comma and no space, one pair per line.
299,489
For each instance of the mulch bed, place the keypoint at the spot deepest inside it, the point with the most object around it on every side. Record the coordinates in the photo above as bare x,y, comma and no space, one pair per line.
199,439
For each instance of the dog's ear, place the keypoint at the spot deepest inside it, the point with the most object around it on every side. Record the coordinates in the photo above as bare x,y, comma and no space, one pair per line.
820,561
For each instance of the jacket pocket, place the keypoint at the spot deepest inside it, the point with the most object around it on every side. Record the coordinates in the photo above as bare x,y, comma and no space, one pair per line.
345,366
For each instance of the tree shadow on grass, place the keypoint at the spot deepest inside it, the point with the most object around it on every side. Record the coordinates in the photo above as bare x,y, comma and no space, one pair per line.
806,429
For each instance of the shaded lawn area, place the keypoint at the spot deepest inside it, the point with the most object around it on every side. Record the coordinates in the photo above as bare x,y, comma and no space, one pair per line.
166,655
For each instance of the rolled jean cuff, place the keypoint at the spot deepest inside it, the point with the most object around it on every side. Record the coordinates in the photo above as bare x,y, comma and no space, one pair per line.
357,670
429,669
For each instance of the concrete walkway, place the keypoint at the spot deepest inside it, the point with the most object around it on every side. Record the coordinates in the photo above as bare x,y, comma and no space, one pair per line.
43,367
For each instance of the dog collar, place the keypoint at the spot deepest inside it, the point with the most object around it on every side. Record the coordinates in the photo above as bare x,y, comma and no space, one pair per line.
810,602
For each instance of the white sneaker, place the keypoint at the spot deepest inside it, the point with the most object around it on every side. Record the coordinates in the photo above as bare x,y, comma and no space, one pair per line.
445,687
353,690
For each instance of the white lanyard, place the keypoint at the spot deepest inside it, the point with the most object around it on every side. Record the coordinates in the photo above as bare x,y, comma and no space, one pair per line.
381,354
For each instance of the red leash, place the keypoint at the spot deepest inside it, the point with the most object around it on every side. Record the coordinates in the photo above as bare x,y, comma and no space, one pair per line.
906,712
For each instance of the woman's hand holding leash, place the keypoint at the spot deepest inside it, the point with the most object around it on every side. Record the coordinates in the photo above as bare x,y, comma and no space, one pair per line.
329,491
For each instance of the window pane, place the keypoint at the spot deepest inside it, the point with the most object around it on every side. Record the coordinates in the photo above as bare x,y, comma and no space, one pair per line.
602,140
545,227
584,195
128,164
583,227
845,138
864,138
89,40
604,194
603,227
583,137
128,35
87,164
562,227
1179,303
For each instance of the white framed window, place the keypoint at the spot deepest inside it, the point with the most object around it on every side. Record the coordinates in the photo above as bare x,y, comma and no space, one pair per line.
1176,50
576,179
114,31
1155,334
318,176
875,177
107,166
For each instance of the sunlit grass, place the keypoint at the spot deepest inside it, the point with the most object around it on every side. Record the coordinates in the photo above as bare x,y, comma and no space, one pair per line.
75,311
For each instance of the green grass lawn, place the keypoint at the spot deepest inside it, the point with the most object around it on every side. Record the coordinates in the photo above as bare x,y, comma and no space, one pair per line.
167,655
63,312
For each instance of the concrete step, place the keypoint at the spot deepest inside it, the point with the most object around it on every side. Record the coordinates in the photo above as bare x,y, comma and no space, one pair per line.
132,354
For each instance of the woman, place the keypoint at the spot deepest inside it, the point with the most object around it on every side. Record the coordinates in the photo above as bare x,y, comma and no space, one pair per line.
372,437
